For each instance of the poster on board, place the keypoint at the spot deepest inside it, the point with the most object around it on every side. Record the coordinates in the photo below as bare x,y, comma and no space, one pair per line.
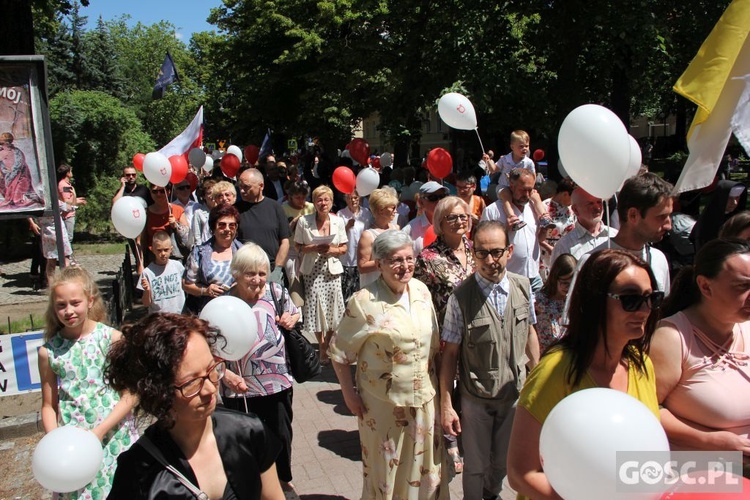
24,138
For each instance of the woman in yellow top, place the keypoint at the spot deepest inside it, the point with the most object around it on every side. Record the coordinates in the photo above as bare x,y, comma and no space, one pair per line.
611,320
390,330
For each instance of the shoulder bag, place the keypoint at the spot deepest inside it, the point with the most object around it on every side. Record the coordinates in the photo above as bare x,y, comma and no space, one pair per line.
301,357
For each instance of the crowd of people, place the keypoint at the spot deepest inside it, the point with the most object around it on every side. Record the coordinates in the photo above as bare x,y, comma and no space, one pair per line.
467,320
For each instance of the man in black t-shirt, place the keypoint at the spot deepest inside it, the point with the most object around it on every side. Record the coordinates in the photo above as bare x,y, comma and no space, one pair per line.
262,221
129,187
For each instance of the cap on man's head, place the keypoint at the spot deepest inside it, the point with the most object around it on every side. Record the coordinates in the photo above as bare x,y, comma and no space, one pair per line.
431,187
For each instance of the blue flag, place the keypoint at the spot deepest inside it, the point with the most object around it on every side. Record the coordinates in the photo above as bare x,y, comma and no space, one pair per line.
266,148
167,75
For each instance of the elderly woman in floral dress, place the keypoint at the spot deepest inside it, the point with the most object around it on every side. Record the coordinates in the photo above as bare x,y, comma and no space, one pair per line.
390,330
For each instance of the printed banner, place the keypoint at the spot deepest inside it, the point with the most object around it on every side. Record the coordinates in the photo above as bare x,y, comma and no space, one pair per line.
19,373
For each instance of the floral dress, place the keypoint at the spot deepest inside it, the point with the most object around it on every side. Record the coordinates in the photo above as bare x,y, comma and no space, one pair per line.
394,341
439,269
548,316
565,221
84,400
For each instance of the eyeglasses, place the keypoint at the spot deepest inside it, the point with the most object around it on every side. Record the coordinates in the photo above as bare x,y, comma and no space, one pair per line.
226,225
157,191
193,387
435,197
408,262
453,218
632,302
183,188
496,253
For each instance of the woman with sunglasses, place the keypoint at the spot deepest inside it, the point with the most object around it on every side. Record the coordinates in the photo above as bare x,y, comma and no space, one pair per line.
207,273
162,215
701,351
611,321
168,361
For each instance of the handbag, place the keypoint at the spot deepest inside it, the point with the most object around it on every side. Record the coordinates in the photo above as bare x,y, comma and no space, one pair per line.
301,357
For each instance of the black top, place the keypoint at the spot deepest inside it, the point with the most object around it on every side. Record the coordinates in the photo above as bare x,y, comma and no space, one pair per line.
246,446
713,216
140,191
264,223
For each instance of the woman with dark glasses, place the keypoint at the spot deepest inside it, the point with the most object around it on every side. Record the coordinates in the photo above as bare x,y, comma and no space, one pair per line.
194,448
207,273
701,351
611,320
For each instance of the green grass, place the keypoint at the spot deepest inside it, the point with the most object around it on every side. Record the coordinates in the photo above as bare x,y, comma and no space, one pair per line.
98,248
33,322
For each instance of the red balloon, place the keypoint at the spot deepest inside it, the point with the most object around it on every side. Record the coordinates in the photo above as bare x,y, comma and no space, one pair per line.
429,237
376,163
179,168
344,179
359,151
138,161
192,180
230,165
439,163
251,154
538,155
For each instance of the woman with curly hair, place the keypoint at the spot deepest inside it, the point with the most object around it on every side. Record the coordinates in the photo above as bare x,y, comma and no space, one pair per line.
167,360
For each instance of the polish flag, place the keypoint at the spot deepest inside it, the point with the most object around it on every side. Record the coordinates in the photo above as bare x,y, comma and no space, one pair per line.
191,137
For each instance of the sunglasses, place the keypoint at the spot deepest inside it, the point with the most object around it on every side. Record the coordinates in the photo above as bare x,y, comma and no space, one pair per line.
435,197
183,188
226,225
632,302
495,252
130,175
157,191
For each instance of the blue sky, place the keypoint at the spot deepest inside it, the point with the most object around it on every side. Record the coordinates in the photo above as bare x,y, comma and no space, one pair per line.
188,16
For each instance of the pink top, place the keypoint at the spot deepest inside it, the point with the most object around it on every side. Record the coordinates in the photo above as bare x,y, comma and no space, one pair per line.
714,389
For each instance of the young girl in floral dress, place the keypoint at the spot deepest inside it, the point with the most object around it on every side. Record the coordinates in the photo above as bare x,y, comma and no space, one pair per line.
71,366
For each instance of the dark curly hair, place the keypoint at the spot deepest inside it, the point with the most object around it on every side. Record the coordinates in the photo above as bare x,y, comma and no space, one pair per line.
222,211
587,314
145,361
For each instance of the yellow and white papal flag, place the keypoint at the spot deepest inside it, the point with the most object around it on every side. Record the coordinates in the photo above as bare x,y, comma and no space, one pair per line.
718,81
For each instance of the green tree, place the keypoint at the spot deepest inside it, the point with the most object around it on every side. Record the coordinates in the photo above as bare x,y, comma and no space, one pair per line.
97,135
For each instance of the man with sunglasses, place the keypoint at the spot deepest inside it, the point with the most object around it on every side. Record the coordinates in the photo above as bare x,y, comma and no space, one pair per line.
129,186
489,331
430,193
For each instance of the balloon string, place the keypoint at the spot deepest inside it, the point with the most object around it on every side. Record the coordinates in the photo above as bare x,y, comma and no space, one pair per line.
244,397
606,216
480,140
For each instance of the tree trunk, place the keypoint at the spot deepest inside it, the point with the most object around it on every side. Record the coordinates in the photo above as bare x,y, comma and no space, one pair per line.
16,28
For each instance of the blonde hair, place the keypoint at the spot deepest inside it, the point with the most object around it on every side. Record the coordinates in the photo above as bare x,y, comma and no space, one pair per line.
220,187
519,135
73,274
321,190
443,208
383,198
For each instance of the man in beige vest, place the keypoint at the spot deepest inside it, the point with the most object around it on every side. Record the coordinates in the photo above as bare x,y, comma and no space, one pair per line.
489,333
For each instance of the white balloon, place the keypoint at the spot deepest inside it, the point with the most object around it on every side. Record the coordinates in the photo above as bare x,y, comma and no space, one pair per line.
457,111
235,319
209,165
236,151
128,215
561,169
67,459
197,157
635,158
386,160
157,169
367,181
582,434
594,147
